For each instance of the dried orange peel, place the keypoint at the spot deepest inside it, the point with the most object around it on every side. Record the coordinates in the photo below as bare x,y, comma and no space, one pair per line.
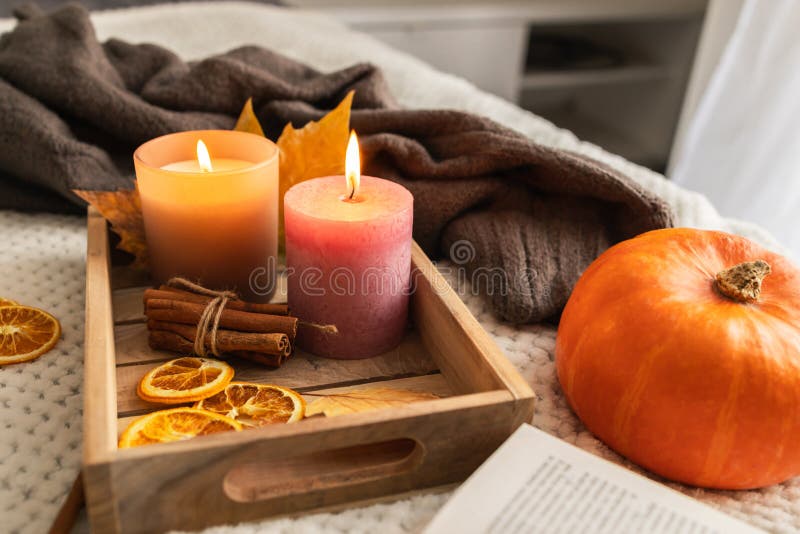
183,380
256,404
175,424
26,333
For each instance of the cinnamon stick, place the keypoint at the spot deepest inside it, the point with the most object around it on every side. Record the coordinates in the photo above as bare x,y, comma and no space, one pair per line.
164,340
176,311
230,340
166,292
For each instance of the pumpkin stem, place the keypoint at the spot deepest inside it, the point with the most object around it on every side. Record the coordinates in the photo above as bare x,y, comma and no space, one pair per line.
742,282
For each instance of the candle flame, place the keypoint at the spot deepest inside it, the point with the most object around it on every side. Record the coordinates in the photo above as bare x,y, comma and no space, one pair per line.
203,158
352,166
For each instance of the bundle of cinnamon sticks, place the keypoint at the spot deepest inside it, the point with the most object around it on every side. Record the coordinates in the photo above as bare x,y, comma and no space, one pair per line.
263,333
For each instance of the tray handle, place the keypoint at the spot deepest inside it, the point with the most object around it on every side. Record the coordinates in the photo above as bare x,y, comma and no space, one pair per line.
322,470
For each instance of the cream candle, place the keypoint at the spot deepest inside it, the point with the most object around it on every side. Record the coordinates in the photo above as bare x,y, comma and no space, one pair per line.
191,165
348,255
211,219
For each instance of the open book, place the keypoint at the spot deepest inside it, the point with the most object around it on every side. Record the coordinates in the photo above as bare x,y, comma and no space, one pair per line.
535,483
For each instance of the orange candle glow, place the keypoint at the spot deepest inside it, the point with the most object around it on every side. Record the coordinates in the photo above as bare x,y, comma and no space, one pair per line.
210,208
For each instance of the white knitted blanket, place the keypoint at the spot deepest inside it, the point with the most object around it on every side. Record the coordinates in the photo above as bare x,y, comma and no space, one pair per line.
42,264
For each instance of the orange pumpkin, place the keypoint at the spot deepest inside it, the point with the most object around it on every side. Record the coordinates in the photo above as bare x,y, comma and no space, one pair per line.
673,352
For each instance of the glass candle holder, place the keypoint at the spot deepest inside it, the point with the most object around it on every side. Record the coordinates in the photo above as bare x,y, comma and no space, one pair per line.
218,227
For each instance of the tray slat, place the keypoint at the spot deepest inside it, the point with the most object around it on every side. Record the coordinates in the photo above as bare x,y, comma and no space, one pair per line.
128,305
434,383
301,371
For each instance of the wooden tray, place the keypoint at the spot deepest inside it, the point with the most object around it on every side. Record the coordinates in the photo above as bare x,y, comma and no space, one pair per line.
313,464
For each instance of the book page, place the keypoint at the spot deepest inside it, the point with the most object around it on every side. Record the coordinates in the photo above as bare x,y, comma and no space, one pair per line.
537,483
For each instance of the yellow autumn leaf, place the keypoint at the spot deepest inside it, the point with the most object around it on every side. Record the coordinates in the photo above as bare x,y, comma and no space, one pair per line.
123,210
317,149
248,122
364,400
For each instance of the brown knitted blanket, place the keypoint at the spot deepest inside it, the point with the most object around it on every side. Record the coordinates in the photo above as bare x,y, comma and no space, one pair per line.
524,220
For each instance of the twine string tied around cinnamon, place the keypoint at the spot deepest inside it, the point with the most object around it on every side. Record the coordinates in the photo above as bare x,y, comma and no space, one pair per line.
208,324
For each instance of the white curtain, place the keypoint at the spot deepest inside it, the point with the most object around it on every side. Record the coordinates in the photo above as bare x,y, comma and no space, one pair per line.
742,147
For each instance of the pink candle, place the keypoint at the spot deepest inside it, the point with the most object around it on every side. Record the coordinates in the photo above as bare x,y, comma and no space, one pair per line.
349,263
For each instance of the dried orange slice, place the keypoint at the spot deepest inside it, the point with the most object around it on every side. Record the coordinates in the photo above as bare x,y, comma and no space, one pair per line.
8,302
175,424
26,333
186,379
256,404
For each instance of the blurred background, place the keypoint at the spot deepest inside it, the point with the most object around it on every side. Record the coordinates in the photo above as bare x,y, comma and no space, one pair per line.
701,90
614,72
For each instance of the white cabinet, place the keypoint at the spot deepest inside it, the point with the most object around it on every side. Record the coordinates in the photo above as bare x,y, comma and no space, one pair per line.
630,106
490,57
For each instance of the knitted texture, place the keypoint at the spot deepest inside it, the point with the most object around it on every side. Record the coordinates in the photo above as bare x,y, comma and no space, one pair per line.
42,265
43,260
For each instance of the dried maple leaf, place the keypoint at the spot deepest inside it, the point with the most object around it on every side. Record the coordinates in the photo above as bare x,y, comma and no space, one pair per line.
364,400
123,210
317,149
248,122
